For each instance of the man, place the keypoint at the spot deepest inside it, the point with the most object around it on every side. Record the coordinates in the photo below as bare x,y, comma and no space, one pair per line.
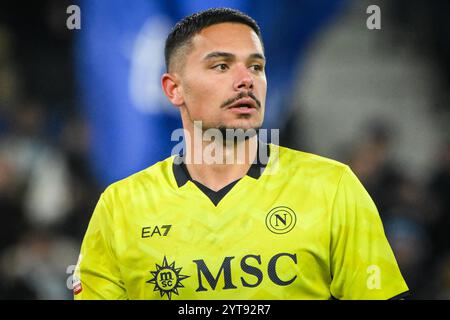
297,226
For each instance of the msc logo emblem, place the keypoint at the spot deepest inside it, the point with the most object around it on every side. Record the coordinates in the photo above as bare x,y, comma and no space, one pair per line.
281,220
167,279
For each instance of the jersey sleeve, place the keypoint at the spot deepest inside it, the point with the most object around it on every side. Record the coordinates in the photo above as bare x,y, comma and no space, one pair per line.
97,274
363,265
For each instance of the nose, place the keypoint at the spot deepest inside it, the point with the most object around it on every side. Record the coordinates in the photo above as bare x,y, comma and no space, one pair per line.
244,79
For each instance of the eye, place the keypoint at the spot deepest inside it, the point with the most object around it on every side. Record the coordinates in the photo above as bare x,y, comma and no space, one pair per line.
256,67
220,67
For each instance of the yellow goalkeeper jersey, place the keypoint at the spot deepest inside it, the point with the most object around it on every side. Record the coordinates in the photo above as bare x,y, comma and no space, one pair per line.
300,227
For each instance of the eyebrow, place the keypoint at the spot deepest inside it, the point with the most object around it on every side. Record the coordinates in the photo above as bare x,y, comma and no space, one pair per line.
230,56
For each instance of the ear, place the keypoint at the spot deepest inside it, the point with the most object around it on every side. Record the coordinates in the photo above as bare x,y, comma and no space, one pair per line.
172,90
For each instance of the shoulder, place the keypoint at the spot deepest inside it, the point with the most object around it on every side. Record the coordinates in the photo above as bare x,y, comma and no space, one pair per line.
153,177
305,172
292,161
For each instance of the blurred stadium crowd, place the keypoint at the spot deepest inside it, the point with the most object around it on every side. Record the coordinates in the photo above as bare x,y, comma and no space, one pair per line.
48,189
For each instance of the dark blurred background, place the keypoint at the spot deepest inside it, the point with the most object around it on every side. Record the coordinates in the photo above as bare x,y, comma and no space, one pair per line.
80,109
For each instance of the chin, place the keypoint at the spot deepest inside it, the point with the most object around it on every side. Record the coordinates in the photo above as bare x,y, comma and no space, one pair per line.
243,124
234,124
240,130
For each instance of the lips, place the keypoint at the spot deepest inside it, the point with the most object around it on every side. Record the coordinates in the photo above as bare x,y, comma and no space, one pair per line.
243,103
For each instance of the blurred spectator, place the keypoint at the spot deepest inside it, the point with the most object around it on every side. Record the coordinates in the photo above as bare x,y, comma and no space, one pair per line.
439,187
13,221
39,166
40,262
84,189
411,246
372,162
442,285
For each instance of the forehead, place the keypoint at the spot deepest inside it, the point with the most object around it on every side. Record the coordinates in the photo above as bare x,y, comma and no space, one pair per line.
235,38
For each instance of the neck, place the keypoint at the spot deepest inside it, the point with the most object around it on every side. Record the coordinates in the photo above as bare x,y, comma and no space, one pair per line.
216,163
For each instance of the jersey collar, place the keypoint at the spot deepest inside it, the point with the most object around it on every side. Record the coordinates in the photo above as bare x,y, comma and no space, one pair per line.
182,175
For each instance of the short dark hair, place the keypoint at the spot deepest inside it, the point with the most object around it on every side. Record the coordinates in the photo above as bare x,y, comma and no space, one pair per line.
188,27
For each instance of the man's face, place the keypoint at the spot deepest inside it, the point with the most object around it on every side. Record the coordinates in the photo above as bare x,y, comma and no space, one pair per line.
223,81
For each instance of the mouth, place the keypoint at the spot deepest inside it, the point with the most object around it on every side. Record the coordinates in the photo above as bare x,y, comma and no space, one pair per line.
243,105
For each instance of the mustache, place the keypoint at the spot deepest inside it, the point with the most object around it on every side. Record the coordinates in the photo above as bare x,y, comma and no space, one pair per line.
240,96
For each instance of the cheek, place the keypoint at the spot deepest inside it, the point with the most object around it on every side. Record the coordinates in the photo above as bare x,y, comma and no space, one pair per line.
201,96
262,85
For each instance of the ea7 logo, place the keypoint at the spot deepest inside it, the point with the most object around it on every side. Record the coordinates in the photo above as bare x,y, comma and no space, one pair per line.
148,232
249,264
